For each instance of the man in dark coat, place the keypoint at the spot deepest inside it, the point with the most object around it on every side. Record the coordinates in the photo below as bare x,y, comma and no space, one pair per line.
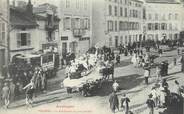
114,102
150,103
125,103
117,59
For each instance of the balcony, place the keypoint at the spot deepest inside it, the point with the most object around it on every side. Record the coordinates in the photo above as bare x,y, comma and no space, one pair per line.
78,32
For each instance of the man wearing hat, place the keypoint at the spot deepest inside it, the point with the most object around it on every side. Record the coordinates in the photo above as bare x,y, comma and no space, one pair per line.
6,94
29,93
150,103
146,72
114,102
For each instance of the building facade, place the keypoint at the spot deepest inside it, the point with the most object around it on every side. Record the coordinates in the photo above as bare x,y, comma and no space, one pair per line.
163,19
33,29
4,24
23,34
117,22
48,21
75,26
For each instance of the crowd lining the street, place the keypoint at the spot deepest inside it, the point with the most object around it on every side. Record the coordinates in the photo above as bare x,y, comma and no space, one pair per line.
34,80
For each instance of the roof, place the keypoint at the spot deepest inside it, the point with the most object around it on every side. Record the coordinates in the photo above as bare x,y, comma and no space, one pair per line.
44,7
138,1
21,18
40,17
163,1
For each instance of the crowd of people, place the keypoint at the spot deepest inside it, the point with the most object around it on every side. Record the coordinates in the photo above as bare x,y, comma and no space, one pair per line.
19,83
33,80
162,97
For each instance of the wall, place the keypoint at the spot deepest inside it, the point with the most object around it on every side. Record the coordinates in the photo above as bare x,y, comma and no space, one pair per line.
161,10
24,49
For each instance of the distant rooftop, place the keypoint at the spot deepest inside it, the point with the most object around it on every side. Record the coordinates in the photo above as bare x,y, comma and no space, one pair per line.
163,1
44,7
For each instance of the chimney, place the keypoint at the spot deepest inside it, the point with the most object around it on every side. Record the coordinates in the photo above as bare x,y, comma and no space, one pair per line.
29,8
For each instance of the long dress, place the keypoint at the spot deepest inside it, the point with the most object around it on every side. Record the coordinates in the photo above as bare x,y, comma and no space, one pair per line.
114,102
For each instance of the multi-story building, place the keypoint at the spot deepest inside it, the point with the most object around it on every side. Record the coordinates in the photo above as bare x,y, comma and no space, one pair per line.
33,30
4,25
75,26
163,19
48,21
23,31
117,22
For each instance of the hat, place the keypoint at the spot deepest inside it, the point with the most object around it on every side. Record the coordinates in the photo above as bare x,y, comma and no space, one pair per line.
5,84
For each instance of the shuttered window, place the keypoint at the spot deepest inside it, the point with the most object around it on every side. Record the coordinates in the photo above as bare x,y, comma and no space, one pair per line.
23,39
67,24
0,33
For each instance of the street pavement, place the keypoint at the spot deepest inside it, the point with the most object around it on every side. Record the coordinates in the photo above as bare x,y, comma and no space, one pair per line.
131,82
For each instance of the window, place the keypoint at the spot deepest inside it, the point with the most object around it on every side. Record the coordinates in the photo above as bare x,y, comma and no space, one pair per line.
170,16
126,41
120,25
163,17
163,26
149,26
144,13
121,1
67,23
67,3
121,40
82,24
149,16
110,41
170,26
156,16
130,13
176,26
115,11
156,26
2,32
170,36
87,23
126,12
110,10
121,11
116,26
75,23
77,4
176,16
85,4
156,37
125,1
110,25
23,39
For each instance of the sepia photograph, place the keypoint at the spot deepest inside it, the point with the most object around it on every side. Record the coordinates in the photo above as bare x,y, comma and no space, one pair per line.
91,56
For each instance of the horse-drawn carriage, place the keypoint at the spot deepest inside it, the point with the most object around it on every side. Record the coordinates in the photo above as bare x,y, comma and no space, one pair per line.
89,81
85,84
49,62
